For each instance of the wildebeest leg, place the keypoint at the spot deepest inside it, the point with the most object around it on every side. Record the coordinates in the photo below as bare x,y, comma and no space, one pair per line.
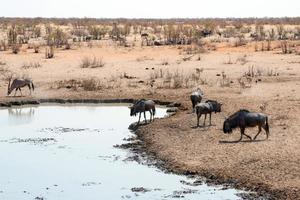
246,134
21,92
145,117
209,118
29,89
139,118
193,106
266,129
198,119
15,92
204,120
259,130
150,115
153,113
242,133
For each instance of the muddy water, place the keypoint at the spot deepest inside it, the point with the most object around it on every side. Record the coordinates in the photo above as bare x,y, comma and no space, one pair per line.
66,152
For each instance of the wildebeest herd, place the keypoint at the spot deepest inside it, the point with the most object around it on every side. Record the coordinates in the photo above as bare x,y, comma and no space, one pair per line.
240,119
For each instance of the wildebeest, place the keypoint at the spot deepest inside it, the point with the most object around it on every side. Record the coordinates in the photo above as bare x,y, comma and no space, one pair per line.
243,119
207,108
17,84
143,106
196,97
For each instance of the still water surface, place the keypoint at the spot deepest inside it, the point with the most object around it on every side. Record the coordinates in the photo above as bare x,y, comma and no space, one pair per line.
66,152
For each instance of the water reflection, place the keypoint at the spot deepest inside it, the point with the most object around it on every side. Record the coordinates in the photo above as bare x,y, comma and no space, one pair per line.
21,115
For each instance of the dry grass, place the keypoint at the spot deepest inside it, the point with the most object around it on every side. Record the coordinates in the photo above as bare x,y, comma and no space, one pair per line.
242,59
229,60
176,79
89,84
31,65
88,62
49,52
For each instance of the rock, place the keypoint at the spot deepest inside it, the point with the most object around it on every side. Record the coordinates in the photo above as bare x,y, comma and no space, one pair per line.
174,104
139,189
172,110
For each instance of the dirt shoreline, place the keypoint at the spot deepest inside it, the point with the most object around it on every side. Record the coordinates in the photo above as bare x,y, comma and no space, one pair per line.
152,149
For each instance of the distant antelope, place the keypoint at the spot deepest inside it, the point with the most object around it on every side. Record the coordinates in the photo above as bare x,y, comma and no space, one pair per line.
17,84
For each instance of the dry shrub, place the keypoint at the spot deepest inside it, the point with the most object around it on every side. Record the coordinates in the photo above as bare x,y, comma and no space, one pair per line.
31,65
15,48
36,48
272,72
3,45
178,79
187,58
49,53
245,82
194,49
269,48
132,84
91,84
228,61
143,58
88,62
165,62
2,63
4,70
240,41
286,47
257,71
225,82
69,84
242,59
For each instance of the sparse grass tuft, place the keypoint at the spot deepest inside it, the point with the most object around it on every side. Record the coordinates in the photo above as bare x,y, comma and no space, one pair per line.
31,65
94,62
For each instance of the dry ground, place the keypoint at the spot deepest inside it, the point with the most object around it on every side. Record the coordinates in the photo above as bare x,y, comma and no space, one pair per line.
266,165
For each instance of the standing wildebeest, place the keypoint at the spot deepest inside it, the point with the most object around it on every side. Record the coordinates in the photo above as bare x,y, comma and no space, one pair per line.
143,106
207,108
17,84
244,118
196,97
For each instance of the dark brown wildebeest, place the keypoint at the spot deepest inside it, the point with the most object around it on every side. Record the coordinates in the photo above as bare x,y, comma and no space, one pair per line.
17,84
207,108
196,97
243,119
143,106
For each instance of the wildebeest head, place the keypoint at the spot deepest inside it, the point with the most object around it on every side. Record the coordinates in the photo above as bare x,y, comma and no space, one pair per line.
227,127
9,88
218,107
132,111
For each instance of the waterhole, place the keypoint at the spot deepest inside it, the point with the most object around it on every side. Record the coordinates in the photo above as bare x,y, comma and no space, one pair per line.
68,152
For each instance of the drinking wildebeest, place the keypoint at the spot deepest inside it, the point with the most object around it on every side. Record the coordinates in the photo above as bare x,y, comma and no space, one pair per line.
196,97
207,108
143,106
243,119
17,84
